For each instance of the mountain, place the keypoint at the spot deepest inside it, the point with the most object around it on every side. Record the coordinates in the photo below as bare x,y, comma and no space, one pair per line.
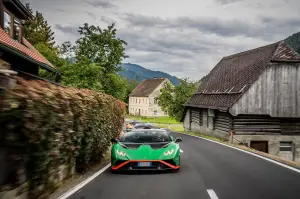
294,41
139,73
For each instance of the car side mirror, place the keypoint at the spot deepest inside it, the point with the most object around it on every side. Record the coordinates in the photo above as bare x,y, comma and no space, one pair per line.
113,140
179,139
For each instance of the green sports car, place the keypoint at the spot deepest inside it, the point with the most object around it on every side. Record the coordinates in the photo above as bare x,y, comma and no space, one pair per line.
145,149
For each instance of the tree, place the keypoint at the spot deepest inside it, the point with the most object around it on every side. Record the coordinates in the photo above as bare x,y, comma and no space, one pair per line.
172,98
101,46
131,84
82,75
37,30
294,41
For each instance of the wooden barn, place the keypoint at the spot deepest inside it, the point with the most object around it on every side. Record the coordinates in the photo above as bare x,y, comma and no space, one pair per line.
255,95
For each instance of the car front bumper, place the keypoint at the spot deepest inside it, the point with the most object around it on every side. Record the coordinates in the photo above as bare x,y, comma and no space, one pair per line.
132,165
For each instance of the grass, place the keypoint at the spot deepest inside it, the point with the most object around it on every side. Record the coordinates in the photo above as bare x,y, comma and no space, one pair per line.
176,127
158,120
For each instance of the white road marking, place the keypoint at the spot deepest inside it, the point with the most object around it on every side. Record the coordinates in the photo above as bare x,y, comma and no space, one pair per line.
256,155
212,194
181,151
83,183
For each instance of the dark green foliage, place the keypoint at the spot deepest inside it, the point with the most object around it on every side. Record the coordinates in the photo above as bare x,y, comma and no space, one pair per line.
99,54
101,46
294,41
37,30
58,126
172,98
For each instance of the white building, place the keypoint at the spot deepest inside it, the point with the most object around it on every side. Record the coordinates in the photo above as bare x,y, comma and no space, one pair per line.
142,100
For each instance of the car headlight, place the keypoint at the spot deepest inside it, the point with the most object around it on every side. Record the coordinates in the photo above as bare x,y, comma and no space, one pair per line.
121,153
169,152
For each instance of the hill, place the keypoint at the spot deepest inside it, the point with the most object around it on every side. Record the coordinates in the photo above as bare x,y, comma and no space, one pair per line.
294,41
139,73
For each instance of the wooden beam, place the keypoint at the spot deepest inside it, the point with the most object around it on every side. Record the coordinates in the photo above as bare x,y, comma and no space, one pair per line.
1,14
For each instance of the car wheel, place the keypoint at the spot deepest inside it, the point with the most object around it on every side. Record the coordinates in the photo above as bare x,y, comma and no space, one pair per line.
113,171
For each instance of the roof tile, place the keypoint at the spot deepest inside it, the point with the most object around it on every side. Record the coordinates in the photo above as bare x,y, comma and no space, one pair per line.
26,49
146,87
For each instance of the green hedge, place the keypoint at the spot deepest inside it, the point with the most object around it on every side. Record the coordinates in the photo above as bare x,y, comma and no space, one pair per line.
53,126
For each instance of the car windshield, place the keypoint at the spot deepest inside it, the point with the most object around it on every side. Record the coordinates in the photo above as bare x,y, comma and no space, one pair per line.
145,137
142,125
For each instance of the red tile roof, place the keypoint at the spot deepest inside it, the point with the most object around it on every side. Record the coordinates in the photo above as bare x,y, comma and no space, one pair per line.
234,74
27,49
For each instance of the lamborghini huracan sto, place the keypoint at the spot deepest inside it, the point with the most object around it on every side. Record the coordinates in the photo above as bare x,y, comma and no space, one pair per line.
145,149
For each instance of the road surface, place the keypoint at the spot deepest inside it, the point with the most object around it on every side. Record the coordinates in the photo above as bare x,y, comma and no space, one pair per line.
208,171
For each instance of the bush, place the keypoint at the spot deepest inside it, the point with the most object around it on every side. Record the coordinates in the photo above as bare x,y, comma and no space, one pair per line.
53,126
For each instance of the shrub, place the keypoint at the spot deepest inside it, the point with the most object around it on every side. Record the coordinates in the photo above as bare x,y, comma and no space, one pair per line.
53,126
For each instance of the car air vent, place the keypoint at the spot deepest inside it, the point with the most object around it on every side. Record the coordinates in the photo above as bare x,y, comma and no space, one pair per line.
132,146
157,145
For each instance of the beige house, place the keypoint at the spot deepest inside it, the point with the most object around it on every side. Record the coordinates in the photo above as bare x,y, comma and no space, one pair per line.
142,100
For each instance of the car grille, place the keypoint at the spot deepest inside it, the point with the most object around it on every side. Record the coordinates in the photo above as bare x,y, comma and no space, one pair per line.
154,166
118,162
170,162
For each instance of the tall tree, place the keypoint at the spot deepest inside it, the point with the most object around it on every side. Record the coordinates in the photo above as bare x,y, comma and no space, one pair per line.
37,30
172,98
82,75
101,46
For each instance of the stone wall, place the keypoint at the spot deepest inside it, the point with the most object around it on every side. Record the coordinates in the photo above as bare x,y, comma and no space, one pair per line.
274,144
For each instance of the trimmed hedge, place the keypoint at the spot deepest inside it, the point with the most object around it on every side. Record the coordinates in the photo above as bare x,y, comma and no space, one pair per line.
53,126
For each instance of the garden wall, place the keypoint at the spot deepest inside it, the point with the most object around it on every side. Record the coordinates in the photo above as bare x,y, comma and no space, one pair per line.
48,132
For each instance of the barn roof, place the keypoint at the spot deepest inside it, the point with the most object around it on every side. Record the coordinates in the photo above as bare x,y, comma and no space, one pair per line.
146,87
234,74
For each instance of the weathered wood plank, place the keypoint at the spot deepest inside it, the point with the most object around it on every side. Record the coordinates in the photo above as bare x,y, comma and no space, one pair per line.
276,93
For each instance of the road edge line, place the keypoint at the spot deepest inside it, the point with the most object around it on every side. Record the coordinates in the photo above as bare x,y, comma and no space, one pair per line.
248,152
83,183
212,194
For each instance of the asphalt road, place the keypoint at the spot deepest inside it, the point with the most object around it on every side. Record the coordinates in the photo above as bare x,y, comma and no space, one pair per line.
227,174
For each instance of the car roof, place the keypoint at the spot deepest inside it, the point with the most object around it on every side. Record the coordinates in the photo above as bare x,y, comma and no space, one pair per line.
138,130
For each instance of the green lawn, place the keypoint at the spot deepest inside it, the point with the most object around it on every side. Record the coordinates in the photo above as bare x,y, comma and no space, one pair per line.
159,120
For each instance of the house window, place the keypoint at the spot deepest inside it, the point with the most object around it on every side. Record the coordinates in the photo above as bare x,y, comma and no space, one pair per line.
7,23
12,26
16,32
286,146
155,101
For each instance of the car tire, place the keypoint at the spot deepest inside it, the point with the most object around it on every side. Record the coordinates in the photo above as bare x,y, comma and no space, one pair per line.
113,171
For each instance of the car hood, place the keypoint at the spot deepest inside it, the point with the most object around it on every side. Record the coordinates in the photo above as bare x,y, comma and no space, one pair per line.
152,151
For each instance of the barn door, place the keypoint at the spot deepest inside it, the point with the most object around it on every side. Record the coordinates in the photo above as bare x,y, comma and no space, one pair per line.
260,145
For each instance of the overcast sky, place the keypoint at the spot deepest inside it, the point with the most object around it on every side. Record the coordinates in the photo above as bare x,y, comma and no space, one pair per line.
185,38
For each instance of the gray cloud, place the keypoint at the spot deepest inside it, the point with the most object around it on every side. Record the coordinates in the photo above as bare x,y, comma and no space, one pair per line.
68,29
100,3
227,1
267,28
186,41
